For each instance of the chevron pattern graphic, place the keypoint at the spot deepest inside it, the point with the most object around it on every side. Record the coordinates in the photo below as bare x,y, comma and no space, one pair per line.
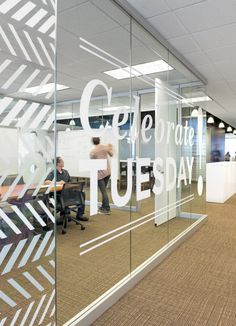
27,241
37,15
29,114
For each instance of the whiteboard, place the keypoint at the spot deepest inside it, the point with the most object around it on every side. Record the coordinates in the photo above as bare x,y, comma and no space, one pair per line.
75,145
9,151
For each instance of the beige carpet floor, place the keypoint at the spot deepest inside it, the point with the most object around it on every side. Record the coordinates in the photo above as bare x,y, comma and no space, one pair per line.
82,279
196,285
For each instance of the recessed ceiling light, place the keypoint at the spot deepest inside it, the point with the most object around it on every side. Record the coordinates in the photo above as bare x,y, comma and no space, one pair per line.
229,129
139,70
44,89
194,113
210,120
196,99
234,132
221,125
72,122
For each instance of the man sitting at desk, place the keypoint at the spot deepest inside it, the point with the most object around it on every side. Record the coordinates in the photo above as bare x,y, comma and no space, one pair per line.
63,176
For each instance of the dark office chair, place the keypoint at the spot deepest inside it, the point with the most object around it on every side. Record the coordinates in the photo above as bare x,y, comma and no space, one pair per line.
71,199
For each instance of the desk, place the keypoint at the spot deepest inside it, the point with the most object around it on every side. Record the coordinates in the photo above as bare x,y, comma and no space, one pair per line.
18,188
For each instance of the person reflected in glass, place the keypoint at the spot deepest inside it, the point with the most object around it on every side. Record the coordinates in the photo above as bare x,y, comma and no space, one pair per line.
102,152
227,156
216,154
62,177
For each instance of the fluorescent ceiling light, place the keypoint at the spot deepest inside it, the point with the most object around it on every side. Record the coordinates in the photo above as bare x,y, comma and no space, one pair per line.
114,108
44,89
210,120
64,114
229,129
139,70
221,125
196,99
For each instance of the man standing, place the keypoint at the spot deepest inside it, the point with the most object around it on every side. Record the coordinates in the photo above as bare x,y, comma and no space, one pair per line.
102,152
63,176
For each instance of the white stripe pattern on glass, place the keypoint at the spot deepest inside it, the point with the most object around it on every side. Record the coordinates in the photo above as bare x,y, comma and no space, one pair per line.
23,11
42,246
47,25
9,222
29,80
22,217
23,322
2,235
3,321
36,52
13,113
4,65
51,247
33,281
47,211
134,227
18,39
16,74
19,288
49,121
11,188
41,182
13,322
4,252
47,307
8,44
8,5
37,310
46,274
35,19
40,117
27,115
29,250
35,214
14,256
46,52
4,297
4,103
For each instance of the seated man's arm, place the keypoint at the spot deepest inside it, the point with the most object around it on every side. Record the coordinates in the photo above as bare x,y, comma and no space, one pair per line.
49,178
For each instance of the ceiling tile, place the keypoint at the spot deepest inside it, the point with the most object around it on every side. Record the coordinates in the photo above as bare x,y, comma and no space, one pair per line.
208,14
210,72
198,58
216,37
168,25
224,53
149,8
86,20
184,44
176,4
68,4
227,68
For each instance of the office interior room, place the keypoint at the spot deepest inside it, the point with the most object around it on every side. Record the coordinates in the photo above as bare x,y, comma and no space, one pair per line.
95,72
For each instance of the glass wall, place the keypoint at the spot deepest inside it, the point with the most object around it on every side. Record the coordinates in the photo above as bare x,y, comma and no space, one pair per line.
116,171
128,90
27,239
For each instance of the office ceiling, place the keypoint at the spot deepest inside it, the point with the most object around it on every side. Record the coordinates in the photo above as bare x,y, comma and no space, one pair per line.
203,31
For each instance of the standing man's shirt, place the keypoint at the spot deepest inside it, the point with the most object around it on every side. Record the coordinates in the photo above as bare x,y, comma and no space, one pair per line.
60,176
102,152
